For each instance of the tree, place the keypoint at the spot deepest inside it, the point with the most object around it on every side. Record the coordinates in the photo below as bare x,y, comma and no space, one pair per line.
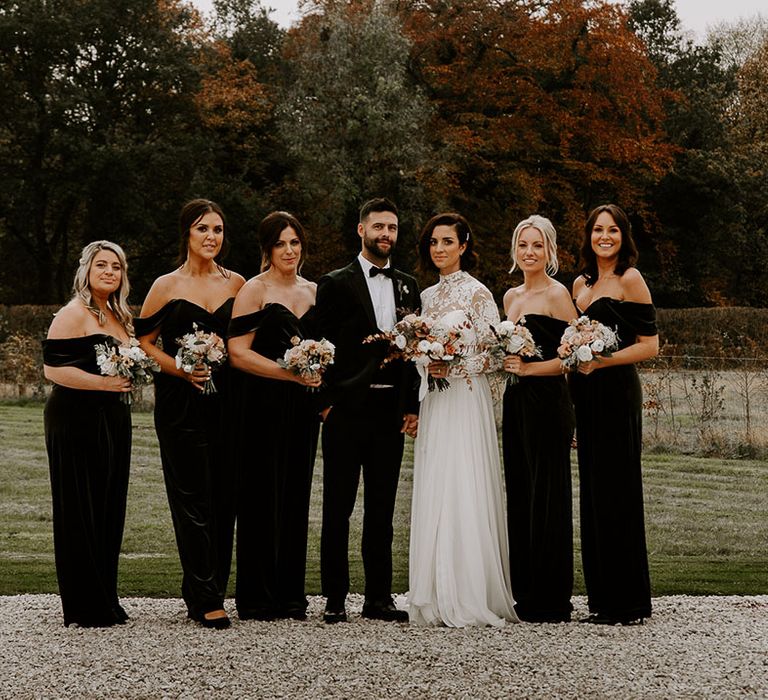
700,204
749,133
547,107
739,39
102,137
355,123
245,26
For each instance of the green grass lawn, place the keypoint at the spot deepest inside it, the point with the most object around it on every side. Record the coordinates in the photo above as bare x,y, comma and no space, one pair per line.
707,520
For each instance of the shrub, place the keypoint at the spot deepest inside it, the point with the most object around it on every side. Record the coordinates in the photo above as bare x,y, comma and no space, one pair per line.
722,332
29,319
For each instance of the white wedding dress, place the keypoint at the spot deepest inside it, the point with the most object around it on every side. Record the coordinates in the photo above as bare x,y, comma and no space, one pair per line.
459,561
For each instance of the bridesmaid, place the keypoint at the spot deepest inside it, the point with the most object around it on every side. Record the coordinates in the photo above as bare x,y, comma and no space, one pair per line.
608,401
88,438
537,432
190,425
278,428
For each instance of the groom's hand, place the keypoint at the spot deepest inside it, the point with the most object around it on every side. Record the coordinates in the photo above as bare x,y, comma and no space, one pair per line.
410,424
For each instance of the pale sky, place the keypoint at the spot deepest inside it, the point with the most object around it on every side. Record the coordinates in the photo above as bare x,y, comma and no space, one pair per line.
695,15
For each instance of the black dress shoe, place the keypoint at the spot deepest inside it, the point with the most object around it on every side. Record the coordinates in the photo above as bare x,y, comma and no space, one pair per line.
292,614
331,617
263,614
335,611
549,618
384,611
601,619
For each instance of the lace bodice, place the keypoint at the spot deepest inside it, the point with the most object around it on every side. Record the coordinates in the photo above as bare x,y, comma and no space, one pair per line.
458,297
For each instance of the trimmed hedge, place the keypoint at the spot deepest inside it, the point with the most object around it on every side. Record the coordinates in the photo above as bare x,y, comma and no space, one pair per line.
27,319
720,332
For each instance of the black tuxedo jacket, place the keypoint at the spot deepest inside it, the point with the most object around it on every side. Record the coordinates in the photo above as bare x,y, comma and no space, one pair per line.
343,313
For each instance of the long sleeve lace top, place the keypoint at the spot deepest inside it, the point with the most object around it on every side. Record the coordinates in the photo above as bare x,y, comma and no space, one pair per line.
458,297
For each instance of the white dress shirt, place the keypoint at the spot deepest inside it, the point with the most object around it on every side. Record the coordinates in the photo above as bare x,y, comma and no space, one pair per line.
382,295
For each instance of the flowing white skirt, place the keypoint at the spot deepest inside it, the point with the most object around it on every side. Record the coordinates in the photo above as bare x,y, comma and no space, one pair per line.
459,561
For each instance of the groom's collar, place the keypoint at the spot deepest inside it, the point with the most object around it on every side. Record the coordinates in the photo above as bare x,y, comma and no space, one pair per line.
367,264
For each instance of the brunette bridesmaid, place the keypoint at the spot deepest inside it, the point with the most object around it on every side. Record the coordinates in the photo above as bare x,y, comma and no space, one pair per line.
277,428
537,432
192,426
608,401
88,438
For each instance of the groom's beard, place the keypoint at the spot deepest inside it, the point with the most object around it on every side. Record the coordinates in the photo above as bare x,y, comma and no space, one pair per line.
373,246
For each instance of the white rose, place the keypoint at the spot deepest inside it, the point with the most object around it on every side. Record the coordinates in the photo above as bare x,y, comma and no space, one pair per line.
424,346
400,341
109,369
515,344
597,346
584,354
505,327
437,349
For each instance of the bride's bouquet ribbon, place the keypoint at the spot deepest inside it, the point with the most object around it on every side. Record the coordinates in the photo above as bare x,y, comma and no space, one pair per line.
423,381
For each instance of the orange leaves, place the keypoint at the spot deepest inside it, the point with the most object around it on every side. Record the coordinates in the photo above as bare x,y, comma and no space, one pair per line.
232,98
561,93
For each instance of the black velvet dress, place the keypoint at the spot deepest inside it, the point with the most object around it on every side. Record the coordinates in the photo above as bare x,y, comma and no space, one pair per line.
278,431
609,432
537,432
88,439
197,465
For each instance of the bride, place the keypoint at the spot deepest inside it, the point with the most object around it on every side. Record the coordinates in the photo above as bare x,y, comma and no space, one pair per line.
459,565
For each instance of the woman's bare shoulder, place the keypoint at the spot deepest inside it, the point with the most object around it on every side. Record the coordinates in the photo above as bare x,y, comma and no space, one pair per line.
70,321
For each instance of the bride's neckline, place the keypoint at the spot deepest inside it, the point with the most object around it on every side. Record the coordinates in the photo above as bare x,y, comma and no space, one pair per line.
453,276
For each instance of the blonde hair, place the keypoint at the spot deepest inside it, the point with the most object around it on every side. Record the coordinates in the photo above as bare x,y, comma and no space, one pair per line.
544,226
118,300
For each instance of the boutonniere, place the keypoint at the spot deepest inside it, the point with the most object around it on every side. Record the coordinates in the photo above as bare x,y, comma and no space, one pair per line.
402,288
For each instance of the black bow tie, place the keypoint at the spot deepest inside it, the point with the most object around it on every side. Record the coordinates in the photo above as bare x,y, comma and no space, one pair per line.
380,271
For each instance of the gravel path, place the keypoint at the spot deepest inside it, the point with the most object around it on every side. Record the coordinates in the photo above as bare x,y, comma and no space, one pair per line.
693,647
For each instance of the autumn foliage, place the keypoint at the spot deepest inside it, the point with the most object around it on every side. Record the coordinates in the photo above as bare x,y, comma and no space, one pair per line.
495,108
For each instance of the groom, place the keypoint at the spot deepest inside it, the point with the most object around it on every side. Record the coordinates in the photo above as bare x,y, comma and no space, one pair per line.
366,411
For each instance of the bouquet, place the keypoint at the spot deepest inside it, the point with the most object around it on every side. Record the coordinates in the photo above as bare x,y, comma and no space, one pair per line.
514,339
584,340
126,361
200,348
422,340
308,358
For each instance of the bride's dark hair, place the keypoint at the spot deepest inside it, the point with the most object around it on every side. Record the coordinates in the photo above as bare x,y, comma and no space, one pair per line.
464,233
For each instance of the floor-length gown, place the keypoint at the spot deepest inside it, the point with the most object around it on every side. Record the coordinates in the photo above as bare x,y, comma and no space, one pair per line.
276,441
192,429
537,432
88,439
459,568
609,433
